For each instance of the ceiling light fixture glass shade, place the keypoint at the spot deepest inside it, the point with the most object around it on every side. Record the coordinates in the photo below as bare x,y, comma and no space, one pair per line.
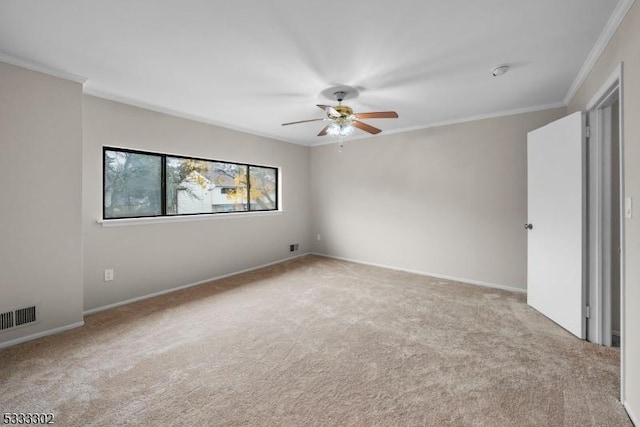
340,129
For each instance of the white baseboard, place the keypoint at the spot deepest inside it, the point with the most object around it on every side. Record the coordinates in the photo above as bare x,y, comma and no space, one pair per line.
633,417
40,334
425,273
189,285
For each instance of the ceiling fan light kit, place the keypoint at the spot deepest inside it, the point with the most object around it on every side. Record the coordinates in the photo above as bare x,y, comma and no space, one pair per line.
343,130
342,120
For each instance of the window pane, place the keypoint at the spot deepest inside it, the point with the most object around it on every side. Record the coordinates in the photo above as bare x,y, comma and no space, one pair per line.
189,186
230,187
263,188
132,184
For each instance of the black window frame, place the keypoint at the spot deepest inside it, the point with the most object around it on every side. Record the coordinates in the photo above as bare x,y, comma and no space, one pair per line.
163,184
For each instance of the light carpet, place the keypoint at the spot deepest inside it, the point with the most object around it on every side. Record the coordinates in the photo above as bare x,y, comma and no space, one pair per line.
318,342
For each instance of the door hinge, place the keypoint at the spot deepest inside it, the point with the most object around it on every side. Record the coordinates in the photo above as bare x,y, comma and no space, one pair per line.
587,312
587,131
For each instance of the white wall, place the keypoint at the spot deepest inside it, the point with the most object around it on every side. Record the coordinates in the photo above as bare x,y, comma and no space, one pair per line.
448,201
625,47
155,257
40,198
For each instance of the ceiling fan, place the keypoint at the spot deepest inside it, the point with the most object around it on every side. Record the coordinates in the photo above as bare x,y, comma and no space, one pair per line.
342,120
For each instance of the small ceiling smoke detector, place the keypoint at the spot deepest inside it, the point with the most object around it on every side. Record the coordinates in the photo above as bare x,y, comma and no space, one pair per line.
498,71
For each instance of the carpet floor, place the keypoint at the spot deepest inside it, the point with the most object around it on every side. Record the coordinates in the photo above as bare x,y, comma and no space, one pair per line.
318,342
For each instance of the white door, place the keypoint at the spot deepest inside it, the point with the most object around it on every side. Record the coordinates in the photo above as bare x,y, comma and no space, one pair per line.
556,233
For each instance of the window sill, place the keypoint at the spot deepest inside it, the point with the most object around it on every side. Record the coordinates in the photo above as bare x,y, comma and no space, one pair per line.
181,218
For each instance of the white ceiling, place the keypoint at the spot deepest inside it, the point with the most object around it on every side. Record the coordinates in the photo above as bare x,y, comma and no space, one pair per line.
252,65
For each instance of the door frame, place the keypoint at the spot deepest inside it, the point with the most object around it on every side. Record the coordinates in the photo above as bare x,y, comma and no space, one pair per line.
599,213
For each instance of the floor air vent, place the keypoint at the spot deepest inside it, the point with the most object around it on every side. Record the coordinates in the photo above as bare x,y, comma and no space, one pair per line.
13,319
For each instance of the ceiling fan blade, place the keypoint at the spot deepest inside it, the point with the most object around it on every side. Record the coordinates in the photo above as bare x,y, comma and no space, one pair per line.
330,110
303,121
323,132
365,127
378,115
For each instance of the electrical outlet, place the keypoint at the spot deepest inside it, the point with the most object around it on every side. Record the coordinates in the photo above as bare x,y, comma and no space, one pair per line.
628,208
318,237
108,275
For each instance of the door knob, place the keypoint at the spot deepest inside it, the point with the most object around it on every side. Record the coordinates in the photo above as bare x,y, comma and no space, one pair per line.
528,226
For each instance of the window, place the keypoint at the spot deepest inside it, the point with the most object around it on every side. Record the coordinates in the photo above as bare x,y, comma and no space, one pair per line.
132,184
262,182
139,184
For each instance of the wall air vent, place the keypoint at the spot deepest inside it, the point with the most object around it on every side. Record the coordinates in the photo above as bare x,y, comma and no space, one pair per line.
25,315
19,317
6,320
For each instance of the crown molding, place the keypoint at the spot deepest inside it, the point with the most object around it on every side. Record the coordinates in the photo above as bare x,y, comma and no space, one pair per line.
179,114
609,30
40,68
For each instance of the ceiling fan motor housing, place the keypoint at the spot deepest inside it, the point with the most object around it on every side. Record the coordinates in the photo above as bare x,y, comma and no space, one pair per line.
346,114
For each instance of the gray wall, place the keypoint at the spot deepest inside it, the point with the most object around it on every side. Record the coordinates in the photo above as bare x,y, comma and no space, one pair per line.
623,47
449,201
40,197
152,258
